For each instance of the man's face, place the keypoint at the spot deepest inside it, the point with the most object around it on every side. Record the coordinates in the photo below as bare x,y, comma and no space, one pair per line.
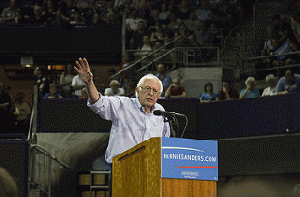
36,72
53,90
140,26
274,43
114,87
161,68
225,86
251,84
271,82
149,98
146,40
289,78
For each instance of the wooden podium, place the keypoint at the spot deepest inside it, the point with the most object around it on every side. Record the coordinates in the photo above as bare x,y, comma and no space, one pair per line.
138,173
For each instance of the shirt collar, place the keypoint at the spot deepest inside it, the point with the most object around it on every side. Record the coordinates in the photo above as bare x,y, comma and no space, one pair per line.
140,107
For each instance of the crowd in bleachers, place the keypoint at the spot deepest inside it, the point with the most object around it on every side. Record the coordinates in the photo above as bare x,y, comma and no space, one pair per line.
195,22
283,38
206,20
73,12
149,25
14,112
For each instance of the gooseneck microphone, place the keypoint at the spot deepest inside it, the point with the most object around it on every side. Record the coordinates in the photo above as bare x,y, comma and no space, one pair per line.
165,113
172,119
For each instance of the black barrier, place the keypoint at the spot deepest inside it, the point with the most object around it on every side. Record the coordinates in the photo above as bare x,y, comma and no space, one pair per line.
272,154
216,120
188,107
244,117
69,115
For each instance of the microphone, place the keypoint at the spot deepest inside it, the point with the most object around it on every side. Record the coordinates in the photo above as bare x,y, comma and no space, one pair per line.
165,113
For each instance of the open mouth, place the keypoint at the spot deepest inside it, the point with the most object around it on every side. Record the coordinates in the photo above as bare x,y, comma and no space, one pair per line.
149,99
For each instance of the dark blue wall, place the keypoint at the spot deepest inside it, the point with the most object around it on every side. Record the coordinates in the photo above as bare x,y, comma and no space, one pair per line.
104,41
218,120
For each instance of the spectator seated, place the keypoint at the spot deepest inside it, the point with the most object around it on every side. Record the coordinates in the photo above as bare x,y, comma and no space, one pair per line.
175,90
114,89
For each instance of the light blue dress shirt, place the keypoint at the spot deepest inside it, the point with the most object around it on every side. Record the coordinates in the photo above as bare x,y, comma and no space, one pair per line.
251,93
130,124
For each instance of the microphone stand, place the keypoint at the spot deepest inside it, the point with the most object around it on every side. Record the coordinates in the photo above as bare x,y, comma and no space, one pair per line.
171,119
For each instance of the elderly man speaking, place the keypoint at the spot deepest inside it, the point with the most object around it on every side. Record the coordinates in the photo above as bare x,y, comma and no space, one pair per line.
132,119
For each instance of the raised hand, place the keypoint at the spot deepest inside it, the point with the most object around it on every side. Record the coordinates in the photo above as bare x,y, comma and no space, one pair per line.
84,71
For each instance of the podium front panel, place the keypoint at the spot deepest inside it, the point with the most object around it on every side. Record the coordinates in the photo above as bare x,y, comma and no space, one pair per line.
189,159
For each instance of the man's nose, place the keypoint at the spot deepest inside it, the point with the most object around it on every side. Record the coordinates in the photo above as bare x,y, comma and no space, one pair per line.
151,92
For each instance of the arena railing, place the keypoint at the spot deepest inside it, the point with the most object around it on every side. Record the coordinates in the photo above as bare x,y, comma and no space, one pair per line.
41,162
135,62
279,68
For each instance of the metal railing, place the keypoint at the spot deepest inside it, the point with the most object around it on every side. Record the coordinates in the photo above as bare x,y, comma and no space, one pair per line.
134,63
279,67
40,173
40,161
198,55
184,55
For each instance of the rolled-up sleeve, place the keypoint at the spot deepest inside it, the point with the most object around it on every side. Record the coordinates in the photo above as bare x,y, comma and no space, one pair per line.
280,85
106,107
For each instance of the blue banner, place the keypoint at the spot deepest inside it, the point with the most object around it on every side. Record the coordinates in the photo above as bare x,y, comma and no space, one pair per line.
189,159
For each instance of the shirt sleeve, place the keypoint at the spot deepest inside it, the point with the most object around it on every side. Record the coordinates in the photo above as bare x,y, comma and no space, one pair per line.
107,107
265,92
106,91
74,81
61,79
215,96
122,91
280,85
242,92
168,81
202,96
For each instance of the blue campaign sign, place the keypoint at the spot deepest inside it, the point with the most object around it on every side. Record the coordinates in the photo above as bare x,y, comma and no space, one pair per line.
189,159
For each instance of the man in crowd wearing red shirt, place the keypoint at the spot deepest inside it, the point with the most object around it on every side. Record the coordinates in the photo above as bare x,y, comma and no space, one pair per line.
175,90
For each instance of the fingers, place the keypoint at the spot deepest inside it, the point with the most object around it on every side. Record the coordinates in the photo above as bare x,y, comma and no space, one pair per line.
77,67
84,64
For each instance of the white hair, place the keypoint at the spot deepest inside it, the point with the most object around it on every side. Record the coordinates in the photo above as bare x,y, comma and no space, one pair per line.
270,76
250,79
114,82
147,77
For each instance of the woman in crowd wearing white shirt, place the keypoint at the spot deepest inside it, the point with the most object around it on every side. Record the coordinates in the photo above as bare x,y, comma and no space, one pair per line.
272,89
65,81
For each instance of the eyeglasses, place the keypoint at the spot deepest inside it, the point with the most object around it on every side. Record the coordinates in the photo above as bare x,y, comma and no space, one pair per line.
148,89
